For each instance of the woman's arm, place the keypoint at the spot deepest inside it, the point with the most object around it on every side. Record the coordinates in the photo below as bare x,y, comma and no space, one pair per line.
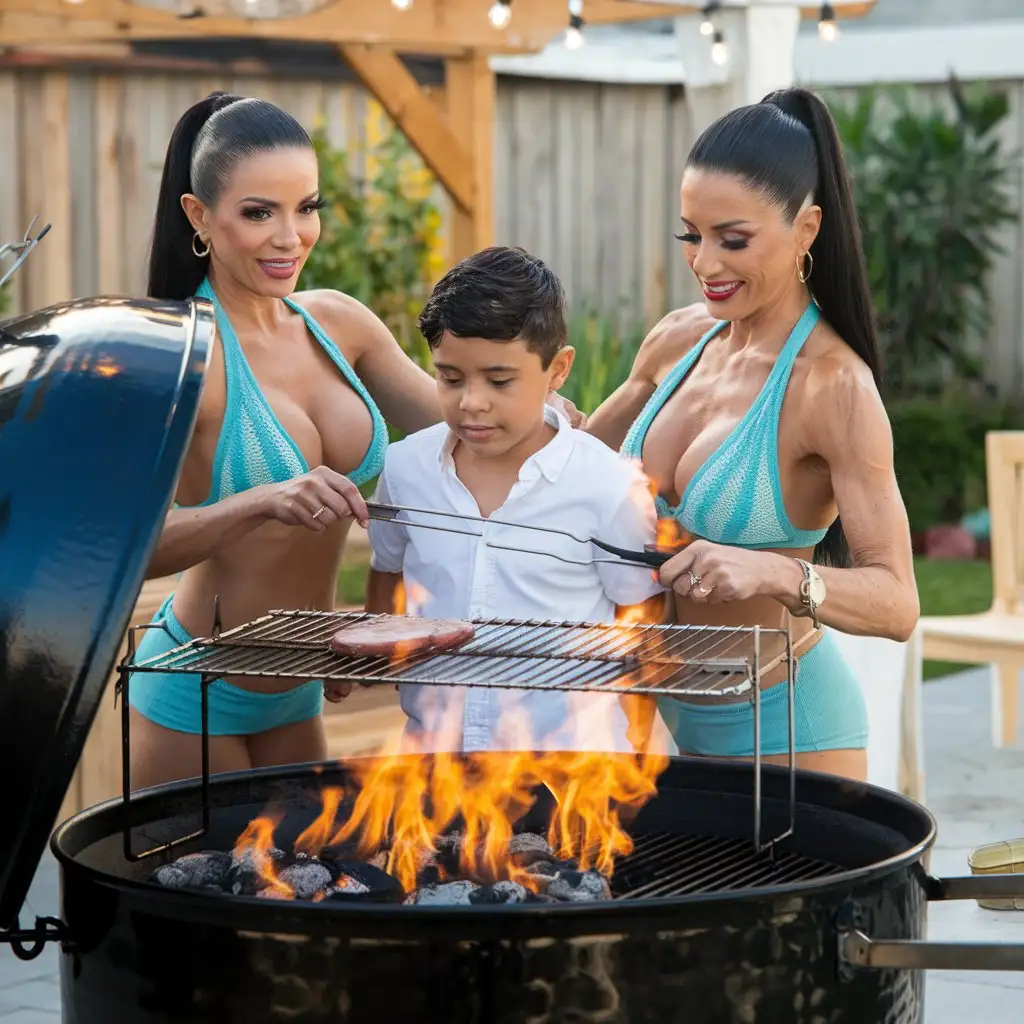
406,394
667,342
877,595
192,535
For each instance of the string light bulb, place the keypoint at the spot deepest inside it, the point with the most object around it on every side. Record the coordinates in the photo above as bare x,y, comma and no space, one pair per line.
574,33
719,51
707,26
401,5
828,27
500,14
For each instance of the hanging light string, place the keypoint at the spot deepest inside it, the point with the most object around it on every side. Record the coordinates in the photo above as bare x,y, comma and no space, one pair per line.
828,27
574,31
707,26
500,14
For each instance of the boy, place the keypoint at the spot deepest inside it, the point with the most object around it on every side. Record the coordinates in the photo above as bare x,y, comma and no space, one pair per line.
496,325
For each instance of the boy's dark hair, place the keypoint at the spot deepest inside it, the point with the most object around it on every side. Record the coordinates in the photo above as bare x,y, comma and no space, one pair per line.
500,294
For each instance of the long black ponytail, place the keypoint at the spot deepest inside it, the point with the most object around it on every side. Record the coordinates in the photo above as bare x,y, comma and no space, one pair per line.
208,140
788,148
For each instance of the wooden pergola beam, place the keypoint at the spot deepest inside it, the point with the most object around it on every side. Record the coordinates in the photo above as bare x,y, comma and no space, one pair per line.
429,27
388,79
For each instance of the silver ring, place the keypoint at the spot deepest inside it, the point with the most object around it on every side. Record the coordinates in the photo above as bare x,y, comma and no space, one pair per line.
320,511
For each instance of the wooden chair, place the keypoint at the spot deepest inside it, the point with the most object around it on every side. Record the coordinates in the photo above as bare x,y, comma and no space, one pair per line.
995,637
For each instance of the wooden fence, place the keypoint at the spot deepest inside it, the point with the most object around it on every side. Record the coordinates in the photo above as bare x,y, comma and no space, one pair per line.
586,176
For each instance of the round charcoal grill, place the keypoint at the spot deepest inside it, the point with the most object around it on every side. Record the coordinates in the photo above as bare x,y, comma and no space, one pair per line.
707,923
698,919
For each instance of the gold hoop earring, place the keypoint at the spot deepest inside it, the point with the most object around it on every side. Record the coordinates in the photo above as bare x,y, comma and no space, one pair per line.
195,252
803,276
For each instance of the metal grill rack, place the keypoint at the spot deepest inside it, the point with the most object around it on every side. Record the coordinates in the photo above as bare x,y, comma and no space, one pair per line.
642,660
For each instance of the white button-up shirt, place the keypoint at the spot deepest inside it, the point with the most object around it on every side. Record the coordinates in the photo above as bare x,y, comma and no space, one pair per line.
574,483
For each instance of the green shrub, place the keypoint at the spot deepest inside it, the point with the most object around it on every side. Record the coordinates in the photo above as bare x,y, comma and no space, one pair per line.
940,453
931,183
378,234
604,356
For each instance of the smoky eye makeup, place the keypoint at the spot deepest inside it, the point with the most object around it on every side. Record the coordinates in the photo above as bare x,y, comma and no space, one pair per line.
733,244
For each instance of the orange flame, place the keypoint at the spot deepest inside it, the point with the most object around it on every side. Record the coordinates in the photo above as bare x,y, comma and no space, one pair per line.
256,842
401,803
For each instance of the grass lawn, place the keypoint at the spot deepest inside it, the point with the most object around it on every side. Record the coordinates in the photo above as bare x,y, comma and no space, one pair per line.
945,588
952,588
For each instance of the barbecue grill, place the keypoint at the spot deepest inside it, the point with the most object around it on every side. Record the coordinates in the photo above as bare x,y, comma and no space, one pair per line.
708,921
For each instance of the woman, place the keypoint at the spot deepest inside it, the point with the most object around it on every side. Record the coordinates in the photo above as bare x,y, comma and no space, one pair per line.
292,419
763,429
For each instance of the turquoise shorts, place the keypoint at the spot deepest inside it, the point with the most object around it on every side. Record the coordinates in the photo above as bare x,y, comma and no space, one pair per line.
173,700
829,713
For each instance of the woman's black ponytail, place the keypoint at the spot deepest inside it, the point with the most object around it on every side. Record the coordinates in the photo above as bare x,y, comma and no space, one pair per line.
788,147
839,281
175,272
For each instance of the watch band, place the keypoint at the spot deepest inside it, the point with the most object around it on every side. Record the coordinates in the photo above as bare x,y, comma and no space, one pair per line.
805,592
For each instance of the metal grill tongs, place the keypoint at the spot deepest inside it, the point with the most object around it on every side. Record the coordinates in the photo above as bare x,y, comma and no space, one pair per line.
20,249
649,558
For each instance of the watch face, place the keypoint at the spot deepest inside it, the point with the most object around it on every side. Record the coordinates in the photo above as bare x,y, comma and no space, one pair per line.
816,588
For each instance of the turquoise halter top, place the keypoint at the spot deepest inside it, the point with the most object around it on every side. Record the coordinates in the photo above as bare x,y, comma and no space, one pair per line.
253,447
736,496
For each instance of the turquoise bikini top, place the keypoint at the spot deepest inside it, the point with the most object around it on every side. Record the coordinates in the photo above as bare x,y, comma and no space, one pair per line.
736,496
253,447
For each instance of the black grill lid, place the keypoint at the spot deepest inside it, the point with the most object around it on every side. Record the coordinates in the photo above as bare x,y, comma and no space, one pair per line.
98,400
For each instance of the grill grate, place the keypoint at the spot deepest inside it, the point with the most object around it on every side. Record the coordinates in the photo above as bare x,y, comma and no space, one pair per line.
663,865
639,659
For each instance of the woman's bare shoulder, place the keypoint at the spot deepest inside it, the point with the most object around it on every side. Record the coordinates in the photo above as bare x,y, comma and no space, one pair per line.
343,317
670,339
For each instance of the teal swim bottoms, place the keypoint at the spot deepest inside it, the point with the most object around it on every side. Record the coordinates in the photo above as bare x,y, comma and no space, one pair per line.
829,713
173,700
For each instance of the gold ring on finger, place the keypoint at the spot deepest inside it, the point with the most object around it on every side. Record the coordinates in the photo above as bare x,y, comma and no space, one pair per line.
320,511
695,580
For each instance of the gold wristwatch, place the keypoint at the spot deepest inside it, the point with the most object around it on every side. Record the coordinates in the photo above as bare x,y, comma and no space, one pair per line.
812,591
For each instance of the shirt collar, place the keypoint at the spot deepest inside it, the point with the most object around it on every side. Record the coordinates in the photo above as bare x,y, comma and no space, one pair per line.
549,461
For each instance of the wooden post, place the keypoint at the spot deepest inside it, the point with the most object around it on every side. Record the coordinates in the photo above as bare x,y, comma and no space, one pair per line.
470,101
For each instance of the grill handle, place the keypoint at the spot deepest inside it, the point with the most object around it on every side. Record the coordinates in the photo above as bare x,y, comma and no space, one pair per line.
857,949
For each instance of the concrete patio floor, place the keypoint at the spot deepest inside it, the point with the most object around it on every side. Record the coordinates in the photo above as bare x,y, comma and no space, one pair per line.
975,792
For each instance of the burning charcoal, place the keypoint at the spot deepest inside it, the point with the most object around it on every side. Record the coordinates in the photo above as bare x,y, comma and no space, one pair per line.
500,892
579,886
370,876
206,870
450,893
305,878
244,878
448,850
273,894
343,888
527,848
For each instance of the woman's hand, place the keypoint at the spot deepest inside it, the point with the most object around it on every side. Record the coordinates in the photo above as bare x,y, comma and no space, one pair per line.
563,405
715,573
336,692
316,500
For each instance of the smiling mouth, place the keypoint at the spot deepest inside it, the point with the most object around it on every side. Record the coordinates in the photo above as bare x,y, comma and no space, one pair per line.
721,290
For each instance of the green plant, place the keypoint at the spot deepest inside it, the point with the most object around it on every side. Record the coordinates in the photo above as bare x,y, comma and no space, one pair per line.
604,356
5,299
940,454
931,187
378,233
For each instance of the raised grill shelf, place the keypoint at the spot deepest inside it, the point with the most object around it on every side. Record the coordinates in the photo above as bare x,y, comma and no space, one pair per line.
659,660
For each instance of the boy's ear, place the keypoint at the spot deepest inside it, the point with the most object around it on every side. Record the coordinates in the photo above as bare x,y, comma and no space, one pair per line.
560,366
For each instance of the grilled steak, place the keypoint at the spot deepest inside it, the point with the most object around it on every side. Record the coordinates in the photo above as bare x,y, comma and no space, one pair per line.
399,635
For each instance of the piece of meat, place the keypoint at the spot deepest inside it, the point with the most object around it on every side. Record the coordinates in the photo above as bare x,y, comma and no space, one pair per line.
388,636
